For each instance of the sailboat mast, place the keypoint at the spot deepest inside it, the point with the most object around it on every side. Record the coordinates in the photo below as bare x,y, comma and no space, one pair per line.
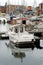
8,4
0,7
23,2
34,6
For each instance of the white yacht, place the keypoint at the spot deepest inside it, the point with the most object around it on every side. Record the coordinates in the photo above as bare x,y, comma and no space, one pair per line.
18,35
3,28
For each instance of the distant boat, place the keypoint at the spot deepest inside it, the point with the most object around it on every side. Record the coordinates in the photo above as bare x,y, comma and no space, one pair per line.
3,28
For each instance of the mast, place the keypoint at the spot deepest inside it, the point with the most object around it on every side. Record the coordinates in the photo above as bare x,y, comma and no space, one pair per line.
6,6
34,5
18,2
23,2
9,7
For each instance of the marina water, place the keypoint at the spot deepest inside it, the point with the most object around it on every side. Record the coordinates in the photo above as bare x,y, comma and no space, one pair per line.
27,57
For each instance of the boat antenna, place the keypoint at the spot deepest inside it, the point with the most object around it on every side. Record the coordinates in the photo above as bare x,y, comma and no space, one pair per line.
34,6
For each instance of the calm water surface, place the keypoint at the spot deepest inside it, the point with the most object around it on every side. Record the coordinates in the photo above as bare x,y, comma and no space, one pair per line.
27,57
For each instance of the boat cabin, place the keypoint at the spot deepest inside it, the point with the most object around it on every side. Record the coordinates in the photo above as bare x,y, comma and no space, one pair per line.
18,28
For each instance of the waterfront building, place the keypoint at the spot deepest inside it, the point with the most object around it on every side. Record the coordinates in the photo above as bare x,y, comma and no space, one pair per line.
41,8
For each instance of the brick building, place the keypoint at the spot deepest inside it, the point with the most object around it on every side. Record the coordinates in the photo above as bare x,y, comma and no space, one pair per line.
15,8
41,8
38,11
3,9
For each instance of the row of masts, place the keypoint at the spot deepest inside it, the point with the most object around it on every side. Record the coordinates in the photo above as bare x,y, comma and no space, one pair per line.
16,2
23,2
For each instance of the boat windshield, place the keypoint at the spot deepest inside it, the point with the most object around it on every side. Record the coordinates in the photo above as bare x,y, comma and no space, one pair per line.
18,29
21,29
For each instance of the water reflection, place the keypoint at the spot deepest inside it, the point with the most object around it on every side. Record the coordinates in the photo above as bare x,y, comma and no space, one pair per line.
17,52
11,55
20,52
32,46
20,55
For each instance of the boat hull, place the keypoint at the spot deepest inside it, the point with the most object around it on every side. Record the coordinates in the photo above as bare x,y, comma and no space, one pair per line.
26,44
4,36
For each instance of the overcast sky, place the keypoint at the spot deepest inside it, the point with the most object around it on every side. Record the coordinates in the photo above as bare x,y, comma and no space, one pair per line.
27,2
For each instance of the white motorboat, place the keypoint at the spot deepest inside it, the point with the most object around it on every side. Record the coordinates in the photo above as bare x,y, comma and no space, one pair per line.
3,28
18,35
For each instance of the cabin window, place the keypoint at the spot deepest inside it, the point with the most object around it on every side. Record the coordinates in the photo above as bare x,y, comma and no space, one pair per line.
16,30
21,29
0,21
3,21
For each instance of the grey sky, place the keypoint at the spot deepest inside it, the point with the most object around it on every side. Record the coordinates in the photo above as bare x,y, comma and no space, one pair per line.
27,2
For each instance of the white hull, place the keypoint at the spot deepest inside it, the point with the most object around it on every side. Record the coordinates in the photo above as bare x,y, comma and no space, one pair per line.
21,38
16,36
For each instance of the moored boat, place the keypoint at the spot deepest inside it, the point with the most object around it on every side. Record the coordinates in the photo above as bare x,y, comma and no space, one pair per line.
19,36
